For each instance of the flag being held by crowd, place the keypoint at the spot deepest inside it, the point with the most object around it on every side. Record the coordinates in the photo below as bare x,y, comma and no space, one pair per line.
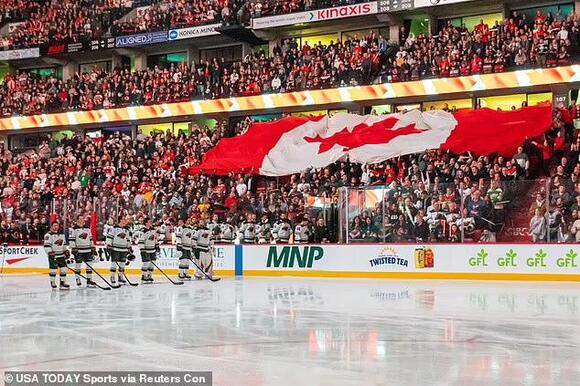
294,144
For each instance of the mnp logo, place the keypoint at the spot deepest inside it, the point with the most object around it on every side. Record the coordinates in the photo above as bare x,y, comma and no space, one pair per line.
173,34
294,256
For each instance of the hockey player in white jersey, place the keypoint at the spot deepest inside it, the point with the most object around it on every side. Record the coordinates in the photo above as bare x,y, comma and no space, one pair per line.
264,230
213,225
302,232
148,246
137,228
55,247
83,249
248,230
227,231
282,230
184,245
205,247
119,246
108,226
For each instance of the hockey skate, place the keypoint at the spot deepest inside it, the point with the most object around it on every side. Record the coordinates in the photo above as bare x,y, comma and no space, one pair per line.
184,277
79,282
64,286
91,284
53,286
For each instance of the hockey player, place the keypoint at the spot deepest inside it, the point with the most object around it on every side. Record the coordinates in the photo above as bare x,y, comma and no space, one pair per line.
148,246
227,231
177,230
302,232
213,225
55,247
108,226
119,246
248,230
137,229
282,230
263,230
184,242
204,246
81,242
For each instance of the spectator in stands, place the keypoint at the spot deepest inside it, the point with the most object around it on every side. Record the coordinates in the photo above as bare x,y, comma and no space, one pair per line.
538,226
575,229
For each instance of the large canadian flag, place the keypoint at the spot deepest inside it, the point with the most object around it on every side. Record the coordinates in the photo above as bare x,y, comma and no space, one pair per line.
295,144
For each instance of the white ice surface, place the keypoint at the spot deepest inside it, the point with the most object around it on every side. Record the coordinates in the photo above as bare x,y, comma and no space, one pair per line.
294,332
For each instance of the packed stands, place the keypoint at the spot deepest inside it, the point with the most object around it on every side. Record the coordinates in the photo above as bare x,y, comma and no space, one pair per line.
434,196
166,15
362,60
13,11
170,14
64,22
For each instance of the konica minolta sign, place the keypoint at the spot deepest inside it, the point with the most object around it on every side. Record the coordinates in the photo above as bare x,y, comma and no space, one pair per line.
141,39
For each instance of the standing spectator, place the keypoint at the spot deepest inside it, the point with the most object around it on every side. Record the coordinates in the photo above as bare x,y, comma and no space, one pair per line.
538,226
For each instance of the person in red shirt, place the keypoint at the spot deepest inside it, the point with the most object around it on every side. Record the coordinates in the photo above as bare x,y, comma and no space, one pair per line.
475,65
444,67
306,49
546,155
539,18
232,201
483,29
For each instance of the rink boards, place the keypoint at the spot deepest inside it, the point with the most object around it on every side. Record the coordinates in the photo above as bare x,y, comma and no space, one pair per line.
542,262
33,259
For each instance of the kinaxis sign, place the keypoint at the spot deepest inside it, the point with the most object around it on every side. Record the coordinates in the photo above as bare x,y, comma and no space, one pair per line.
317,15
407,261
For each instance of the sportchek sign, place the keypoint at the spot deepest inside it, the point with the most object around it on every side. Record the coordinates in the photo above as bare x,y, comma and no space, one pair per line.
316,15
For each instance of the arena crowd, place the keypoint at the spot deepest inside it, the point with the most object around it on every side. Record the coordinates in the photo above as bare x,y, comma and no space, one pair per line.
434,196
514,44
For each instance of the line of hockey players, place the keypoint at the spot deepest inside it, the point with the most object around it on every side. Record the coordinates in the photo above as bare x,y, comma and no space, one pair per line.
260,232
194,243
194,240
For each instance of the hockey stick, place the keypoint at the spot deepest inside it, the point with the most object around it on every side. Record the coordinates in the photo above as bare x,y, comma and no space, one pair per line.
101,276
214,279
126,278
164,274
87,279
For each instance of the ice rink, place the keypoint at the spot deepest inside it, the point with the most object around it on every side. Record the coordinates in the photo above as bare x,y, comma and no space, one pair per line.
297,331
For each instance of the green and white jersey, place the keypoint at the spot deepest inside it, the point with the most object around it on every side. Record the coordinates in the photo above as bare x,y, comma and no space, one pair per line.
81,239
148,240
54,244
119,239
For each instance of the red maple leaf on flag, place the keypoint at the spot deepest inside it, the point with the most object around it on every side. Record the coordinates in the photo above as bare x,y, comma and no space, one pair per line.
380,133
